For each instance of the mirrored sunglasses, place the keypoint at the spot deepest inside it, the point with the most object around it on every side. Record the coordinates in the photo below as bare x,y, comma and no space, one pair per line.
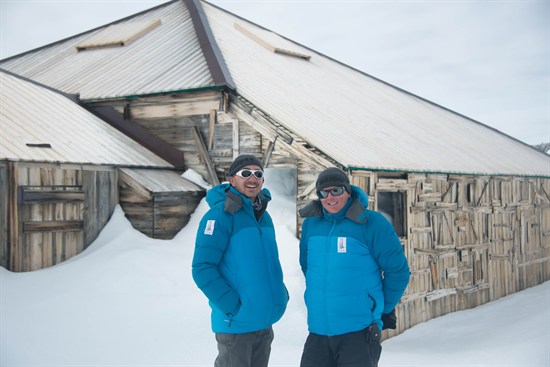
335,191
246,173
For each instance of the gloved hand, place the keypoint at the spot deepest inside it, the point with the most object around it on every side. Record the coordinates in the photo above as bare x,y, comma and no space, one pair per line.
389,320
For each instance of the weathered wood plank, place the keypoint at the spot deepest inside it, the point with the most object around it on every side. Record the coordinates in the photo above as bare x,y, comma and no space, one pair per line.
4,218
53,226
205,157
50,196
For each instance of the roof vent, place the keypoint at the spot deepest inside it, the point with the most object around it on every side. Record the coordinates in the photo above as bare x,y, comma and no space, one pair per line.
39,145
118,35
271,42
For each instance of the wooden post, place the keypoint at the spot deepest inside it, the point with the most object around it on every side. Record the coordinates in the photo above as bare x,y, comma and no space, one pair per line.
267,155
14,247
203,152
213,118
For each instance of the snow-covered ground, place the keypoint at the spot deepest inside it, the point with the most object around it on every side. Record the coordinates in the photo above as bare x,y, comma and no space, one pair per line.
129,300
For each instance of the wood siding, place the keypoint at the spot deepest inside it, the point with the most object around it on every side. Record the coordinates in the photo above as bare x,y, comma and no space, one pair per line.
55,212
4,215
157,214
470,240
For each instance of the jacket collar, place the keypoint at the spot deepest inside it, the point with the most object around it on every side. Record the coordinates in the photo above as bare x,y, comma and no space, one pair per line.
234,200
355,212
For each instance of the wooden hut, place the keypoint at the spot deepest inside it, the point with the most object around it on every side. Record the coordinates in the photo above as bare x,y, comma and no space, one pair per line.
471,205
59,177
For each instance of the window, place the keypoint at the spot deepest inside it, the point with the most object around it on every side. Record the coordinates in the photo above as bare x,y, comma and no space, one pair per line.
392,206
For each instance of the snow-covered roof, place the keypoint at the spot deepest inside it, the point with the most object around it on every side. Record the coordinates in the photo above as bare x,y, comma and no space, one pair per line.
42,125
359,121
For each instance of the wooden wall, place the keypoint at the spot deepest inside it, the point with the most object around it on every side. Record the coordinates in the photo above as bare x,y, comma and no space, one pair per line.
189,122
160,215
4,217
223,138
178,132
54,211
469,239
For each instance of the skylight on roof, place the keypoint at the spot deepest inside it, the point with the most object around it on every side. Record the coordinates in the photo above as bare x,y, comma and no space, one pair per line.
118,35
272,42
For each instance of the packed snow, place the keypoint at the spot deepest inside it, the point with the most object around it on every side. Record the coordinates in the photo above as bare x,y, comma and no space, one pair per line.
129,300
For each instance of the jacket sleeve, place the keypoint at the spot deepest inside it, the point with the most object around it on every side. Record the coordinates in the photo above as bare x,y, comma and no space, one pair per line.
212,239
388,252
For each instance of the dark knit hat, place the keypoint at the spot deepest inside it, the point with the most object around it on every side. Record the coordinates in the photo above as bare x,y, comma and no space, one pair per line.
243,161
333,176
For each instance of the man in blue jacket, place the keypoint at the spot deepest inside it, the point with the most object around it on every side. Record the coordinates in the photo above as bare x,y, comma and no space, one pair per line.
356,273
236,265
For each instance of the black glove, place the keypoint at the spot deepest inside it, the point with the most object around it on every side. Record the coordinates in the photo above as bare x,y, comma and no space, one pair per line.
389,320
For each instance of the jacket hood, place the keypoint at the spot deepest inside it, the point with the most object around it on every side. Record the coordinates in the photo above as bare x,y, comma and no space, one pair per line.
356,211
233,199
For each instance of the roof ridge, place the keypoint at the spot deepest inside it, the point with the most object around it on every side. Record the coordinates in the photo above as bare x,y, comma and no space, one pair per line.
212,54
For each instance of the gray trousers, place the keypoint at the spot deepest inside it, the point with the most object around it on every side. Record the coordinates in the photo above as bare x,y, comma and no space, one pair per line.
244,350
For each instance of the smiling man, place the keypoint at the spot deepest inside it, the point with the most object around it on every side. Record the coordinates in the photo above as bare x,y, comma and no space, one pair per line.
356,273
236,265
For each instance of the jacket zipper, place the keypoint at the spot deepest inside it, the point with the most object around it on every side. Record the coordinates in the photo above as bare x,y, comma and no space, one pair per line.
327,255
265,260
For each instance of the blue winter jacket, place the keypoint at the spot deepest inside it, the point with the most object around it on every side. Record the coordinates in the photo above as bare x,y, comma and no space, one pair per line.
343,256
236,263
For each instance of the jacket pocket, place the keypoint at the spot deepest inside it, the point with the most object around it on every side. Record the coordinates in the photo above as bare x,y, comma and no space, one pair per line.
371,302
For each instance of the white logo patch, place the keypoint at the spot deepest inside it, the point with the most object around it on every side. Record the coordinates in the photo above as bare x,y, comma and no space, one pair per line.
209,229
342,245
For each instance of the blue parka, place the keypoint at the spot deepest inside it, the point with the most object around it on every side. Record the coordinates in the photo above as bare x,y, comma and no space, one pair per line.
343,256
236,263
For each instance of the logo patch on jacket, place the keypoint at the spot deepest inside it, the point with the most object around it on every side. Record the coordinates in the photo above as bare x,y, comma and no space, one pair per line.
209,229
342,245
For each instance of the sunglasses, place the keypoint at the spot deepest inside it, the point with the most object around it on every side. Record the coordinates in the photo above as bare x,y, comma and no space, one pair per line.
335,191
246,173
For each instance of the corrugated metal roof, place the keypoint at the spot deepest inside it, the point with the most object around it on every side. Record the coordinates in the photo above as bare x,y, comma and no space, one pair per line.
120,34
359,121
32,115
167,58
161,181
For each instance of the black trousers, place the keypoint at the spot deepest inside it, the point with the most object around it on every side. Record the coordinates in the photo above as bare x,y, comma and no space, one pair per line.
357,349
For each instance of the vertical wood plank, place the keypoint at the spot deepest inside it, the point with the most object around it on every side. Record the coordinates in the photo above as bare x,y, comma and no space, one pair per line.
212,123
205,157
15,240
236,140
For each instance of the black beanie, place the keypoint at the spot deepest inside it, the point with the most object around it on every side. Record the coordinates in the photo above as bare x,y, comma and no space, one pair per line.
243,161
333,177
